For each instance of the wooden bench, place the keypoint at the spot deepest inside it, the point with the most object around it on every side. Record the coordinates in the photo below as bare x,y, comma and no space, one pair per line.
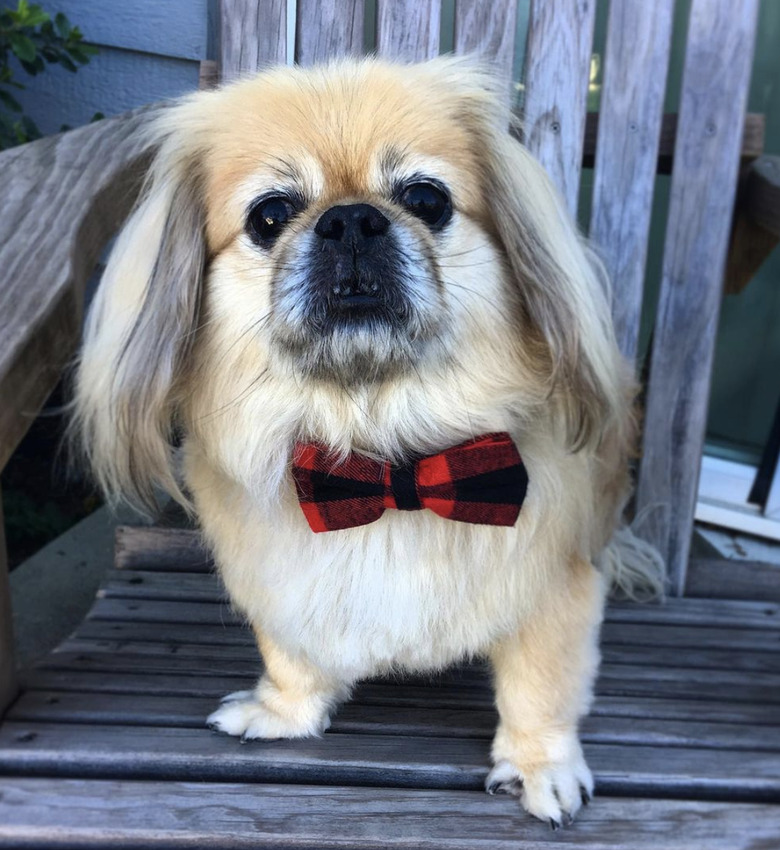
103,743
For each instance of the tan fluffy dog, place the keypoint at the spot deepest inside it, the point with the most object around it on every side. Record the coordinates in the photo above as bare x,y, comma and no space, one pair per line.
216,319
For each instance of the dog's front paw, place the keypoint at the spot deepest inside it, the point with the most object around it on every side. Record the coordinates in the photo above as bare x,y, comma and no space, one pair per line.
251,715
552,790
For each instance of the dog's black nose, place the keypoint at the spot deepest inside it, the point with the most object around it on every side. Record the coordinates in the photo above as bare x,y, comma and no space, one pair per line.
352,225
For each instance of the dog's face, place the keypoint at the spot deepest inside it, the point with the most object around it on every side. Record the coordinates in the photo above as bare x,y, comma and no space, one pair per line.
360,252
343,212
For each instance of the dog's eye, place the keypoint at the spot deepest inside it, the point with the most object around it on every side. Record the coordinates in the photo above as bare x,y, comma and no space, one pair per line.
268,217
429,202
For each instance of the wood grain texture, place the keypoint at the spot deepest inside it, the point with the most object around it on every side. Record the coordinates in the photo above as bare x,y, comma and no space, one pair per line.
637,653
488,31
408,30
557,69
328,28
714,93
94,813
175,754
8,685
670,703
71,192
167,549
253,33
417,722
751,644
629,127
721,578
614,679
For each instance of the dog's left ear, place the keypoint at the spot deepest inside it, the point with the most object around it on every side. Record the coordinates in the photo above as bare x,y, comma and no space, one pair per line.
563,288
140,329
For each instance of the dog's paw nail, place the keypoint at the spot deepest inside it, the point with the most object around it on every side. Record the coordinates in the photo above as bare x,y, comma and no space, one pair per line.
554,824
584,795
214,727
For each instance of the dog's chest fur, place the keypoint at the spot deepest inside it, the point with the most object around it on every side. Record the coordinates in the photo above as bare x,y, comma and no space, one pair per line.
410,591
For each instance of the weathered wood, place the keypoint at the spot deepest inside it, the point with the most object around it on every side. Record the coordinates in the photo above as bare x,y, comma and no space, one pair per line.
488,30
154,548
253,34
645,654
328,28
629,126
751,645
208,74
126,752
70,192
415,721
115,605
399,695
617,679
752,145
8,685
557,66
721,578
171,587
85,813
714,93
408,30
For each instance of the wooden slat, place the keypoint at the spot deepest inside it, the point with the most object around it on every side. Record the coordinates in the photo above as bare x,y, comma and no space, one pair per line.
253,33
138,752
172,587
153,548
408,30
428,721
721,578
8,686
98,813
328,28
751,644
144,603
400,695
631,108
614,679
488,31
65,195
641,654
557,68
718,60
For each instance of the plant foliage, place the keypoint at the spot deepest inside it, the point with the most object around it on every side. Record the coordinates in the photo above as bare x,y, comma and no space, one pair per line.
35,39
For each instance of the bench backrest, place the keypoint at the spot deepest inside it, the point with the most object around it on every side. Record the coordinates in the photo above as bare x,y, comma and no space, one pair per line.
556,76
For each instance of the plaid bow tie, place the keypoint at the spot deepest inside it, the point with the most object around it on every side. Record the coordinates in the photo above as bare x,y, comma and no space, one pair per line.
481,481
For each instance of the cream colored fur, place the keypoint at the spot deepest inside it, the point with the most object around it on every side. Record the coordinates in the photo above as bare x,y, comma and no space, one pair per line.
524,344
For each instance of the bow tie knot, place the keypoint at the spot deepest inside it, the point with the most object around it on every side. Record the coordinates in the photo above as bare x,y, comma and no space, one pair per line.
481,481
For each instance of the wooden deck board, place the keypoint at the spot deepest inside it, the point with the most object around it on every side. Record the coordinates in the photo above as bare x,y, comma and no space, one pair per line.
88,813
179,754
683,738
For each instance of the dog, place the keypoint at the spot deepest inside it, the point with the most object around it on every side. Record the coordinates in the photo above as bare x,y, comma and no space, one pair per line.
353,276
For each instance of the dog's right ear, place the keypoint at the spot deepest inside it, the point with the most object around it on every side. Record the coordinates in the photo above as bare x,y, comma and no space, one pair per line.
140,328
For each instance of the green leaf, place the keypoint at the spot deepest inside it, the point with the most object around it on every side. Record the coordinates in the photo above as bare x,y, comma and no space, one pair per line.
9,101
62,25
67,63
22,47
36,16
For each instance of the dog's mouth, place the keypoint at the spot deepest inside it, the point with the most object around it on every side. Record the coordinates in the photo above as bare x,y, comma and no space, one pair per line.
355,316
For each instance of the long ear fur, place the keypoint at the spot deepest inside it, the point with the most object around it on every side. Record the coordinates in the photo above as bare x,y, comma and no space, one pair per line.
138,333
563,288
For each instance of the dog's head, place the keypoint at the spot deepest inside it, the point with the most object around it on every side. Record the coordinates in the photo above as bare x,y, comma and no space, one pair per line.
330,232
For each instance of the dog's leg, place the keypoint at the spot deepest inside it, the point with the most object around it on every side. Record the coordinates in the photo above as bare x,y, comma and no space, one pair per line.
293,699
544,678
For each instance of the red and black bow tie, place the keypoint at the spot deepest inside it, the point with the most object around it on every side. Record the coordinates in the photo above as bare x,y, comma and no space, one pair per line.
481,481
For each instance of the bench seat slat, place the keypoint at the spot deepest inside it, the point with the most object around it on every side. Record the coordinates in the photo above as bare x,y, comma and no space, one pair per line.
124,752
92,813
600,727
